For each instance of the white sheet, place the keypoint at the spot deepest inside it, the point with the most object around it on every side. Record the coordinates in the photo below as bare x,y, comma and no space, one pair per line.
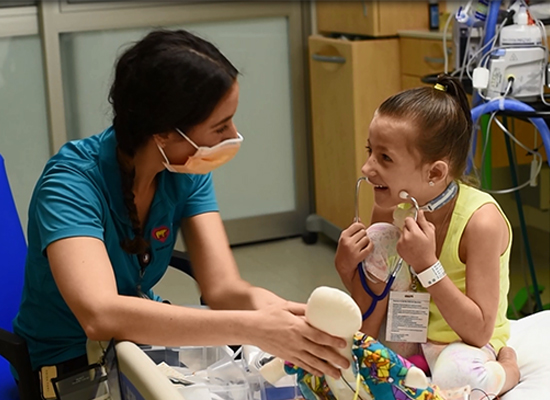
530,338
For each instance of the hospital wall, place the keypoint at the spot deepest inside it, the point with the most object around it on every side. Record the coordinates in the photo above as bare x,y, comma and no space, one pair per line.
56,66
267,42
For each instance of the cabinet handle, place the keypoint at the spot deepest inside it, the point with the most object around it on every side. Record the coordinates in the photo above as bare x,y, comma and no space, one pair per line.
329,59
364,8
434,60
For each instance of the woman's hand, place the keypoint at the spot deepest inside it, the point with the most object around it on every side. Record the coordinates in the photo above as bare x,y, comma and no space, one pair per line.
417,243
284,332
353,247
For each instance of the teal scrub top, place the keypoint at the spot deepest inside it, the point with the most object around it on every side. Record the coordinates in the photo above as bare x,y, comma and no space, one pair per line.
79,194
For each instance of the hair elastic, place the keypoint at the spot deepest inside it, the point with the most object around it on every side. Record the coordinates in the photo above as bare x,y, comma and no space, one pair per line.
439,86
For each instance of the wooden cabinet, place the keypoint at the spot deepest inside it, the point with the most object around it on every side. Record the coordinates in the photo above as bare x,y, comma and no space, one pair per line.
420,57
371,18
349,80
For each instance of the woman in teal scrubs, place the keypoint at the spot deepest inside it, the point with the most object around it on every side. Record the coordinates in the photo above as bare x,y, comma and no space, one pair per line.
104,215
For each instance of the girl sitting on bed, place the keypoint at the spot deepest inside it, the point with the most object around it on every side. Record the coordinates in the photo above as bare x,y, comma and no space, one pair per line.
457,250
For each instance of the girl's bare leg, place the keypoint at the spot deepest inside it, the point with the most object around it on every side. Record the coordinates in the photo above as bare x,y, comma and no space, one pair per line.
508,359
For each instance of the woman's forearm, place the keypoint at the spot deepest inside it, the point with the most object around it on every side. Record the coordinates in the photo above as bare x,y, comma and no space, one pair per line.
150,322
242,296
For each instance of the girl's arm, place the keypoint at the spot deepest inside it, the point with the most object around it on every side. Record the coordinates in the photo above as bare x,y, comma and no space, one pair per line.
85,278
472,315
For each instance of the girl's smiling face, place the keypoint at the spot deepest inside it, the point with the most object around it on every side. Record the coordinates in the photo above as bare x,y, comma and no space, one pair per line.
394,163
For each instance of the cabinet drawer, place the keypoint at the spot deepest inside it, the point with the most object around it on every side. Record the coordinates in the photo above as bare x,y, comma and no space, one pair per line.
349,80
371,18
421,57
409,82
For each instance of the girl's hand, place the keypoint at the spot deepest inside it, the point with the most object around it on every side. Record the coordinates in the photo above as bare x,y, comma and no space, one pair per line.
284,332
417,243
353,247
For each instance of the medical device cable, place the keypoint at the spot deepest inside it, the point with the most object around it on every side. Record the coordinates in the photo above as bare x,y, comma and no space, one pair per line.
466,54
488,396
465,57
356,390
533,151
535,154
519,143
510,104
492,43
544,36
487,141
482,48
445,54
357,383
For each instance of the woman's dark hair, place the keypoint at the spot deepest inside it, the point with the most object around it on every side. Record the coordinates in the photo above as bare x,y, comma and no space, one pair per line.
442,115
167,80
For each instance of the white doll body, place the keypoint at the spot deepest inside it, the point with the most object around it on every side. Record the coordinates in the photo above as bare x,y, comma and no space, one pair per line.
335,312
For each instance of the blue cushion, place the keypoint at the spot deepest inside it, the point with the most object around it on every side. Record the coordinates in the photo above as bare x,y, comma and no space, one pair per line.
13,249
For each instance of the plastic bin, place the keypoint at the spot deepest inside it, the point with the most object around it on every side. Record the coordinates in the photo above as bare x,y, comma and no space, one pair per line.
217,376
193,358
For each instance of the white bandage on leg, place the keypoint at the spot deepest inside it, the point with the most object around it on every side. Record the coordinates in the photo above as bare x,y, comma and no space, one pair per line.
460,365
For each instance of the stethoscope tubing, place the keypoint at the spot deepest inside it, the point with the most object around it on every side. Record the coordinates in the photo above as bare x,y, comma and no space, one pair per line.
377,297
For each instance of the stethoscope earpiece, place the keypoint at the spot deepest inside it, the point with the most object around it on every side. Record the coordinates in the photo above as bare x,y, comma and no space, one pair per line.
357,187
405,196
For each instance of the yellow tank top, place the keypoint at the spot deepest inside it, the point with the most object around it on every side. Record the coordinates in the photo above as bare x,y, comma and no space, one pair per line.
469,200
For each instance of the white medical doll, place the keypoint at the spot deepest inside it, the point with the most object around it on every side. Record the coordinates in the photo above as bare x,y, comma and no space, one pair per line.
457,250
104,215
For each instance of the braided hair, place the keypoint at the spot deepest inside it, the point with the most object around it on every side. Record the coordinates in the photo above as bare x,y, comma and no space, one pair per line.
169,79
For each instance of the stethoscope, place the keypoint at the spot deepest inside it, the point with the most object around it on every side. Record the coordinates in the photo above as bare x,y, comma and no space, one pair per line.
362,276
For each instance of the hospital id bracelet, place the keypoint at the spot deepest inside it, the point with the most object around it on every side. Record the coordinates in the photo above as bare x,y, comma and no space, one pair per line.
432,275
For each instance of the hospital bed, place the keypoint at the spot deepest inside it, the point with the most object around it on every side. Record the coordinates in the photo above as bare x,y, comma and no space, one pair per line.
530,337
140,379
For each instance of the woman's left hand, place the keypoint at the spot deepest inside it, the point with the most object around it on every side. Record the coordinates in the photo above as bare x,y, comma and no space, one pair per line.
417,245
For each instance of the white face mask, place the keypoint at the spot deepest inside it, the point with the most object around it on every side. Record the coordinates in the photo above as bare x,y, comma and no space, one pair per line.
205,159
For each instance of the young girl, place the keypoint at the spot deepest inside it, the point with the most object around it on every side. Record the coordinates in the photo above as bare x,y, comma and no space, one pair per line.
458,249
